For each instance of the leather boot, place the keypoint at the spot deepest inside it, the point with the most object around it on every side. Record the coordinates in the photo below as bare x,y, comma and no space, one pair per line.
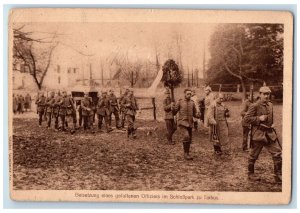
251,175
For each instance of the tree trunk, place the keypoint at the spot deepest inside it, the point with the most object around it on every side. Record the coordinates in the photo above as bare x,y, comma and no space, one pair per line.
243,89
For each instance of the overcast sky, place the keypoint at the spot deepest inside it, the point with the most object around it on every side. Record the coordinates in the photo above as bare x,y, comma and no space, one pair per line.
103,40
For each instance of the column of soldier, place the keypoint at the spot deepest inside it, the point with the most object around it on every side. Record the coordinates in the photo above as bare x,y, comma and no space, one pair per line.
61,109
257,121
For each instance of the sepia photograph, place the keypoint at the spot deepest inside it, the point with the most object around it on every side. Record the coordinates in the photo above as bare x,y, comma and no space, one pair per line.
143,105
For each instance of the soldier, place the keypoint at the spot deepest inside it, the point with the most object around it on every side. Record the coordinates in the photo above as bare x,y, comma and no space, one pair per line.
66,109
27,102
103,111
41,103
208,100
114,108
21,102
260,116
217,114
122,107
86,106
79,109
169,117
131,106
71,113
49,108
187,111
197,102
56,108
15,103
246,128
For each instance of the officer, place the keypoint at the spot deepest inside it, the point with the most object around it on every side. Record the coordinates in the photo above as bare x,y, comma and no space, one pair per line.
186,110
41,103
49,108
169,116
103,111
131,106
114,108
86,107
246,128
260,116
122,107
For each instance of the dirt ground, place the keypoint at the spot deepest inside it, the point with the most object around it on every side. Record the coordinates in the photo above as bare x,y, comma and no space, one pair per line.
46,159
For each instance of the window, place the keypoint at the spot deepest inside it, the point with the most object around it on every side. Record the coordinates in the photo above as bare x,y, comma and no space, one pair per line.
58,79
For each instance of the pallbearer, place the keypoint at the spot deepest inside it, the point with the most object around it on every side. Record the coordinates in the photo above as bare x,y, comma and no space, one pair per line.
260,116
169,116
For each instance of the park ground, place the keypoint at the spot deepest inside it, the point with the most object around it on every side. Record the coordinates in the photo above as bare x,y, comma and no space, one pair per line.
44,159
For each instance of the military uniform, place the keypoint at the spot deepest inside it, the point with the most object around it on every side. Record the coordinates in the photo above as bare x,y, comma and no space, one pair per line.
56,108
15,104
21,101
66,110
263,135
49,109
186,110
246,128
131,106
41,103
169,118
217,118
114,109
103,112
27,102
122,109
86,105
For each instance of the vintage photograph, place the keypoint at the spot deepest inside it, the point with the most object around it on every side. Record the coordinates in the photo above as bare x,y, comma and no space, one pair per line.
150,105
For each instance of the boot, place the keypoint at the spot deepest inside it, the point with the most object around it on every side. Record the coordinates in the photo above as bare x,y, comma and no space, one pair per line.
251,175
278,172
186,149
128,132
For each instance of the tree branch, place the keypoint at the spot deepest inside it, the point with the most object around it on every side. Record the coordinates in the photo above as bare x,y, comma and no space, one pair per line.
231,72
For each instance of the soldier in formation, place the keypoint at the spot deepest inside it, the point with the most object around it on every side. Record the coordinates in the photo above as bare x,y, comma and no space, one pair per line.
103,111
41,103
114,108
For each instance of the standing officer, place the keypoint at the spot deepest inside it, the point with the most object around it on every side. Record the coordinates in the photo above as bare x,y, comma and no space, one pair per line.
260,116
122,107
86,107
169,117
114,108
41,103
186,112
246,128
131,106
49,108
103,111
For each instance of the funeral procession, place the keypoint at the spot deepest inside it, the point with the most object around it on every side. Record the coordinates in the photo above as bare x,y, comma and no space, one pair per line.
178,108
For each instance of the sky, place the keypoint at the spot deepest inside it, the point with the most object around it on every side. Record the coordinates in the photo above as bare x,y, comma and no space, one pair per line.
95,43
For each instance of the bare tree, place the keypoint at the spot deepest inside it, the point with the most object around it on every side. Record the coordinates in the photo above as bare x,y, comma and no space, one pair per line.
34,53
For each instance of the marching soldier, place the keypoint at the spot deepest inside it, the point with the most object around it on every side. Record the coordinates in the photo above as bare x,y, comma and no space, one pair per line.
114,108
131,106
208,100
49,108
103,111
169,117
86,107
260,116
41,103
246,128
56,108
66,109
186,110
217,118
122,107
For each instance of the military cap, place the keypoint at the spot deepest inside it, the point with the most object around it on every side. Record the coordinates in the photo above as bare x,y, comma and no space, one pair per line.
264,89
